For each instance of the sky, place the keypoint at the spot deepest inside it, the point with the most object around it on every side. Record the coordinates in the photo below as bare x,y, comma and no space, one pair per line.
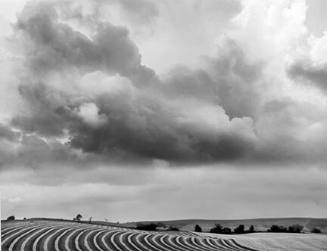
130,110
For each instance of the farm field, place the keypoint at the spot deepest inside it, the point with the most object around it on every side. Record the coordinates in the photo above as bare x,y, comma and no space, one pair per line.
279,241
71,236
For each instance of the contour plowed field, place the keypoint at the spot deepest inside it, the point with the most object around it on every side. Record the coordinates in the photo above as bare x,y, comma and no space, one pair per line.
68,236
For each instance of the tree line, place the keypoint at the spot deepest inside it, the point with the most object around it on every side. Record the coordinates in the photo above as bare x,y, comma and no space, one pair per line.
219,229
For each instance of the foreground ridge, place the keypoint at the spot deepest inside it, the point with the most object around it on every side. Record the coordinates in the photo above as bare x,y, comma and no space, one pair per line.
73,236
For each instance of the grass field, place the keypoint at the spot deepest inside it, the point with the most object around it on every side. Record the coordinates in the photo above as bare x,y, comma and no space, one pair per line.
40,235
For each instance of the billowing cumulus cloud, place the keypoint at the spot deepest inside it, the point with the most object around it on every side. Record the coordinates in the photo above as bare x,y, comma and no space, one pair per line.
50,46
90,90
145,118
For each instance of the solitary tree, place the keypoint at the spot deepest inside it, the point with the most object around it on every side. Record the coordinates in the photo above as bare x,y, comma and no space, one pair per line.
251,229
12,217
78,217
197,228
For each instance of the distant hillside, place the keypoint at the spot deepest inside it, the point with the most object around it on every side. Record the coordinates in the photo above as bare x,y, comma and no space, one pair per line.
259,224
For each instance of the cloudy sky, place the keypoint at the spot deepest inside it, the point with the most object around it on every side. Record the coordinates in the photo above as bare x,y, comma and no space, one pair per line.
146,110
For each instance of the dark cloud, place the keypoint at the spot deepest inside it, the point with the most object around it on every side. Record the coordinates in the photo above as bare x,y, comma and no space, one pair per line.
239,82
150,119
49,110
7,133
306,71
8,139
32,151
136,126
228,80
212,114
150,129
35,152
52,46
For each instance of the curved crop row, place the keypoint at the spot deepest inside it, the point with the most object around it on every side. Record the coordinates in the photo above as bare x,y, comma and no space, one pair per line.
67,236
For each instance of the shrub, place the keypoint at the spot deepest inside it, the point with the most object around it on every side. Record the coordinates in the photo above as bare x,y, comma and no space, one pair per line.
10,218
148,227
239,229
226,230
217,229
277,229
197,228
296,228
172,228
316,230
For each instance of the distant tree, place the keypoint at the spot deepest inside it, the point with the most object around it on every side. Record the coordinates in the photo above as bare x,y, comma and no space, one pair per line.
90,219
226,230
197,228
78,217
160,224
251,229
316,230
173,228
239,229
217,229
296,228
147,227
10,218
277,229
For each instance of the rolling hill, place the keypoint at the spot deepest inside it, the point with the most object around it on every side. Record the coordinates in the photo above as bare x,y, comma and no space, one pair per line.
260,224
66,235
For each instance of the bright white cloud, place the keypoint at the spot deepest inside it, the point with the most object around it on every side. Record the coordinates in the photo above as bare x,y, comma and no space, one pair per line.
89,112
